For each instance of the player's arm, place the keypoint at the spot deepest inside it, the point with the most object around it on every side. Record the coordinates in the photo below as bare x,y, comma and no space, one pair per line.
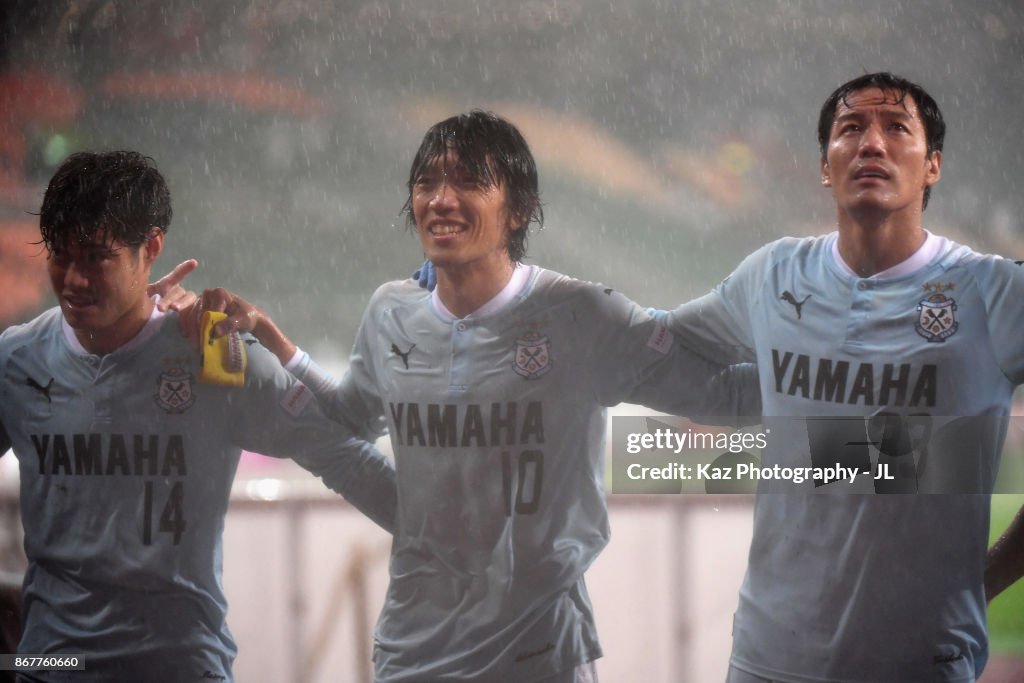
718,324
692,386
279,416
352,401
717,327
1005,563
645,364
712,327
330,449
361,474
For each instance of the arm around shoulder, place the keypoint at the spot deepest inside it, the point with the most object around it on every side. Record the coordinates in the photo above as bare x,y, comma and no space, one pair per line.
279,416
719,325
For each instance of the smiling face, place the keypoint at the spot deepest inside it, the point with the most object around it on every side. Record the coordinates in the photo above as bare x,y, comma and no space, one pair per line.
461,220
877,160
101,288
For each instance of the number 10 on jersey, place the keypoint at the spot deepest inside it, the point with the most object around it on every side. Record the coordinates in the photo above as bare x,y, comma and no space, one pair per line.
522,480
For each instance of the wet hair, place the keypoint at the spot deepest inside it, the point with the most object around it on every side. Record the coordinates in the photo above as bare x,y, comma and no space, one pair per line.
118,196
493,153
934,125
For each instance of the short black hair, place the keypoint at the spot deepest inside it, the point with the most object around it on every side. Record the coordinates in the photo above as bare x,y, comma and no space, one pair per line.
934,125
120,195
494,153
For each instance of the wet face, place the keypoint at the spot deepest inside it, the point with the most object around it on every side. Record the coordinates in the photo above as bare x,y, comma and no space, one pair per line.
877,156
460,221
101,288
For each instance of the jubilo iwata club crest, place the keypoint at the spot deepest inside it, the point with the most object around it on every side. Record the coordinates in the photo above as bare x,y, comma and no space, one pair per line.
936,320
174,393
533,355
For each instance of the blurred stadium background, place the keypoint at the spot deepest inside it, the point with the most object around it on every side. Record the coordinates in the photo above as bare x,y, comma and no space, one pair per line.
673,137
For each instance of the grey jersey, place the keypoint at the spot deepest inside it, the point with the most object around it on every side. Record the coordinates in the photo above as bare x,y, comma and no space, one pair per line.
498,427
869,588
126,463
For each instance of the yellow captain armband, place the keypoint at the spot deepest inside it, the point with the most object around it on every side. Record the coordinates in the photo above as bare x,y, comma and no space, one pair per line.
222,360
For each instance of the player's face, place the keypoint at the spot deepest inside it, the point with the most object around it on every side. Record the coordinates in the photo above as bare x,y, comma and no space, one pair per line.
877,157
101,288
460,221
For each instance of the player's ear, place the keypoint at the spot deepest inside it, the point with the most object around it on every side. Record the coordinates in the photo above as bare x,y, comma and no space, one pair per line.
519,220
513,221
932,168
826,177
153,245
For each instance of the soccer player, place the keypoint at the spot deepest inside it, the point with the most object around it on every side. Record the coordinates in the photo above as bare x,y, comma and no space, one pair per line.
493,388
126,461
904,331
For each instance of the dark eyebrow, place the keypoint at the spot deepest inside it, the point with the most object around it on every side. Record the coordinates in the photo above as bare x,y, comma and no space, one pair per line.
853,114
848,114
900,114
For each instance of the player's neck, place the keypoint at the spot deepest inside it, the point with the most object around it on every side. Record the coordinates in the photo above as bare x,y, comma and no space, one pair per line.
870,245
100,342
465,288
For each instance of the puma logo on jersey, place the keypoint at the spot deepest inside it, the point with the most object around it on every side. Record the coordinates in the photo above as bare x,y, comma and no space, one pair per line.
404,356
798,305
45,391
608,291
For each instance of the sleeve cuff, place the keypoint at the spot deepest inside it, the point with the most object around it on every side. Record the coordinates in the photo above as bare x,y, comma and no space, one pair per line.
296,359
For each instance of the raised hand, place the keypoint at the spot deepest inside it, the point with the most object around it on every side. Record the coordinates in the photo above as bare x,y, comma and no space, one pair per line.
174,297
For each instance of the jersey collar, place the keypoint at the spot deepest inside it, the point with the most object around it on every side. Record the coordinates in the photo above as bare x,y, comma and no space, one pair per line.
932,247
516,284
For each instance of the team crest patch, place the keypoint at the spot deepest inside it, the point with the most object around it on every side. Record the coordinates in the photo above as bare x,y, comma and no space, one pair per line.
533,355
174,393
936,320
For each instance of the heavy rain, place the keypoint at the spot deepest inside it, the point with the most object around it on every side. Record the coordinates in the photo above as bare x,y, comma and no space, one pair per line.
673,137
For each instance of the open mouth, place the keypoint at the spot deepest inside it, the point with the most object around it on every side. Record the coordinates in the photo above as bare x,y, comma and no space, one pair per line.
445,229
75,303
871,172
